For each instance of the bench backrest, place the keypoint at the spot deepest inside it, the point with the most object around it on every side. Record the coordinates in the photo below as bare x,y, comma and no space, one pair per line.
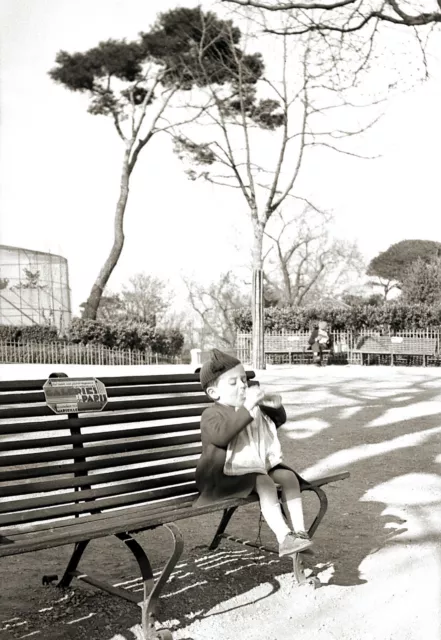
143,446
286,343
388,344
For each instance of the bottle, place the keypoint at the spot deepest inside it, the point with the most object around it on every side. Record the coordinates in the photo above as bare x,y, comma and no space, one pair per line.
272,400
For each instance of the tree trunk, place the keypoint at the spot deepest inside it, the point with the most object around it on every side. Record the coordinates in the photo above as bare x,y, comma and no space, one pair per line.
94,299
257,309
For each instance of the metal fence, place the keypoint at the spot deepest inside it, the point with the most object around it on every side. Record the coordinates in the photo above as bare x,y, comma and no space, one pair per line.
283,346
64,353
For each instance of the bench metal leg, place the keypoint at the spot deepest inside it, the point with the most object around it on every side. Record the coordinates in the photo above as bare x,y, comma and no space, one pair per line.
69,574
150,601
151,590
322,509
226,517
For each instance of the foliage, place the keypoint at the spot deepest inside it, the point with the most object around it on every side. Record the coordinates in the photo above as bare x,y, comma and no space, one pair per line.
145,299
305,262
31,333
394,316
215,304
393,263
31,280
354,300
198,48
110,309
87,331
126,334
422,282
142,85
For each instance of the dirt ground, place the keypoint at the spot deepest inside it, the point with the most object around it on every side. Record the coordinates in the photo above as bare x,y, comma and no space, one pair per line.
377,552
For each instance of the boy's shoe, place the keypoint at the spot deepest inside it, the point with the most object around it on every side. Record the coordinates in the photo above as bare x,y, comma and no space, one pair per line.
294,543
303,534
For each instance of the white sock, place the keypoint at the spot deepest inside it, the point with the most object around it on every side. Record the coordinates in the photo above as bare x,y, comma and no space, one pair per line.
275,520
294,511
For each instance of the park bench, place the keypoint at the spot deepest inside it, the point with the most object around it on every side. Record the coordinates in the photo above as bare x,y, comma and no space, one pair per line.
76,478
290,349
395,349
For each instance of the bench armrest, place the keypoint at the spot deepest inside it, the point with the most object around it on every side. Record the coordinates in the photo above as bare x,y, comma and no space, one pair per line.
327,479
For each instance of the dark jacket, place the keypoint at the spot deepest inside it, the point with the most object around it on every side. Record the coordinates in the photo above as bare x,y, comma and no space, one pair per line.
314,337
219,425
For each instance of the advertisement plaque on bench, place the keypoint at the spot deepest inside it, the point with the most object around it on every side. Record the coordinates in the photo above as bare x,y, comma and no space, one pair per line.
75,395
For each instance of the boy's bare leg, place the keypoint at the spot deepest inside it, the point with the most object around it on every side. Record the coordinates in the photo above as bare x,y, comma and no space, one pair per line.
289,542
292,500
270,507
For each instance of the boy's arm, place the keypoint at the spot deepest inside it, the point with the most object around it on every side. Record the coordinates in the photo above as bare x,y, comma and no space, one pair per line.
220,429
278,416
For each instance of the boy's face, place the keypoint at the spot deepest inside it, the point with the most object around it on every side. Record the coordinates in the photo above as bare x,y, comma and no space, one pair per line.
230,387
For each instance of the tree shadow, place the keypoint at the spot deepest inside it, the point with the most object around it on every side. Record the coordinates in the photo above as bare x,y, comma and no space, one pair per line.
374,447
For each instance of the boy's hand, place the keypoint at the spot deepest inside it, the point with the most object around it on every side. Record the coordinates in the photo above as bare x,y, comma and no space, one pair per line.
254,395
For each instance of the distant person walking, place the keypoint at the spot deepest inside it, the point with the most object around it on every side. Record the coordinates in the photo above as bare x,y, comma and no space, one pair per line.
319,341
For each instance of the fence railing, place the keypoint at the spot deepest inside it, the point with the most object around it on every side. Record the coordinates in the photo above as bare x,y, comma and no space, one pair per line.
345,341
64,353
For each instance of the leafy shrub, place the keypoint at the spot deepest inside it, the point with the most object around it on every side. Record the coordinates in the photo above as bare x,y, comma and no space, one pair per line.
167,342
32,333
126,334
90,332
394,316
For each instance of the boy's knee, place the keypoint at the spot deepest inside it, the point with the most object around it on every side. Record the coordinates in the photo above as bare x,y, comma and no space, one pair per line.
264,482
286,479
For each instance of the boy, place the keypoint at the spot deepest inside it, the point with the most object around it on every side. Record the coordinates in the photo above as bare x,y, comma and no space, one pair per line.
239,422
318,341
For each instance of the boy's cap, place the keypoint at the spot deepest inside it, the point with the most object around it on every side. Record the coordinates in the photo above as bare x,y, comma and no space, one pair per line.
217,365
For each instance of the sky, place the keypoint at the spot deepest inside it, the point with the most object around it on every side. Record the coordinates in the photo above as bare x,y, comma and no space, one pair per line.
59,165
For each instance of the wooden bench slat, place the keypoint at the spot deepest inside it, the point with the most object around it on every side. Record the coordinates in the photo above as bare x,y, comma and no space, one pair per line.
30,531
11,410
117,500
123,405
112,381
101,478
68,497
29,473
97,436
99,450
99,420
34,397
102,525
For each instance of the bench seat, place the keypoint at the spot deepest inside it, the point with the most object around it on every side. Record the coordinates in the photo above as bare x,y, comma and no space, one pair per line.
26,538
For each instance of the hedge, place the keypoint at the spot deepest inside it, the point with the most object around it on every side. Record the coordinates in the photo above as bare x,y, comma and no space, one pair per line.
32,333
121,335
394,316
126,335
